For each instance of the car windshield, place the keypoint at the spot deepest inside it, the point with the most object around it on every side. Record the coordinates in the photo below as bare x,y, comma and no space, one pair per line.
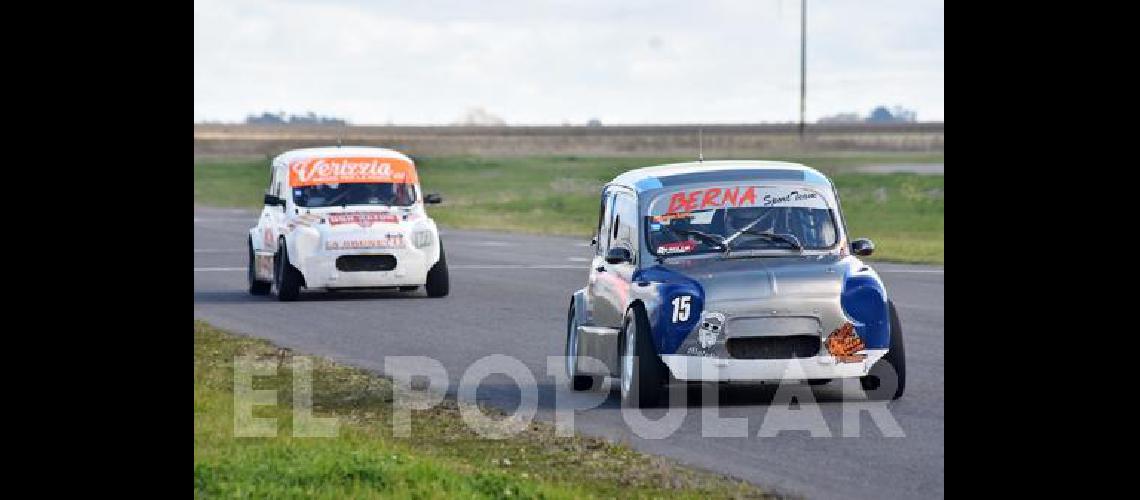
370,193
793,220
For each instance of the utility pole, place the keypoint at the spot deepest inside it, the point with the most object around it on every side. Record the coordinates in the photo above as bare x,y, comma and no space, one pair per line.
803,64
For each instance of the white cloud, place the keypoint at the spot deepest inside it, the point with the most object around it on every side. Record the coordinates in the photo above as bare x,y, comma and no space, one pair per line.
549,62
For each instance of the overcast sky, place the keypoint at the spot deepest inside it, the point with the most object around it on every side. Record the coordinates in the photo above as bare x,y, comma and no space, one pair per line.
553,62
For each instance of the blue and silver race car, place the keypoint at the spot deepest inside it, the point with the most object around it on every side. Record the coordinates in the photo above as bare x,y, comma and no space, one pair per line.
729,271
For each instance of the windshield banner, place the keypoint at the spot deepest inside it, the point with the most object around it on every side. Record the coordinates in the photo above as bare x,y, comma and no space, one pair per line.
736,196
315,171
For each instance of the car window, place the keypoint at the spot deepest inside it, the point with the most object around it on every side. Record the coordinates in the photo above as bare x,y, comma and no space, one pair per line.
625,224
272,188
604,223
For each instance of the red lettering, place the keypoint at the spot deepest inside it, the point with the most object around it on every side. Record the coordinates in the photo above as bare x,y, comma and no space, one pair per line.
710,197
676,203
730,196
748,196
691,202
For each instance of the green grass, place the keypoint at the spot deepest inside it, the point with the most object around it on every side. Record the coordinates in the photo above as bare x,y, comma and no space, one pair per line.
902,213
441,459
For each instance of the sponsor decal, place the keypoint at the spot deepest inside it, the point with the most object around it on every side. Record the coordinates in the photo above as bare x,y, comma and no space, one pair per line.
844,343
390,240
364,219
675,247
712,326
670,217
769,200
683,202
314,171
699,199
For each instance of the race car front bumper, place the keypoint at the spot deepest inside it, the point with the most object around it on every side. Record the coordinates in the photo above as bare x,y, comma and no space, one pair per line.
412,265
716,369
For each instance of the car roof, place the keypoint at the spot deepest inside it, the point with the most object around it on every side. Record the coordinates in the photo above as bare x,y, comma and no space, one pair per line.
674,175
339,152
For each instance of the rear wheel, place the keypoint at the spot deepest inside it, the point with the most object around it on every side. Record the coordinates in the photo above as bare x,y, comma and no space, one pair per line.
879,382
286,278
643,375
438,284
256,287
577,382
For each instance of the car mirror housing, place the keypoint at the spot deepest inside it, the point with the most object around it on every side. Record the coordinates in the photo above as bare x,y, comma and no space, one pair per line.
433,199
618,255
862,247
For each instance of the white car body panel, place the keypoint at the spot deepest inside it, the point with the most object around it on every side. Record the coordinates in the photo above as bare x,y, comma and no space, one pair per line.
315,237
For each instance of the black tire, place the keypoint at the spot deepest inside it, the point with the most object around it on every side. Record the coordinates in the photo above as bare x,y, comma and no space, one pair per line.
286,278
577,382
877,383
438,284
649,374
819,381
255,287
411,288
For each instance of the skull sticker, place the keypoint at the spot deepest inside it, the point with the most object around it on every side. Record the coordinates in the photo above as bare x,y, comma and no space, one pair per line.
712,326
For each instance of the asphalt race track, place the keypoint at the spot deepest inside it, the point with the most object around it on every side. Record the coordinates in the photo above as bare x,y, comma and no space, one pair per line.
509,295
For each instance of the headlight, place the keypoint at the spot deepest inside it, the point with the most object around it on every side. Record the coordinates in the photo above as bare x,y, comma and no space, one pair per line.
422,239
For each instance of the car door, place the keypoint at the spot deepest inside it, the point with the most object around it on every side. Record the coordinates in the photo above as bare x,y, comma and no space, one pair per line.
272,216
614,279
595,289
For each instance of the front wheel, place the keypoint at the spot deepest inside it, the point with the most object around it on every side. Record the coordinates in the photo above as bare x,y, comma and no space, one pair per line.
438,284
286,278
643,375
256,287
878,383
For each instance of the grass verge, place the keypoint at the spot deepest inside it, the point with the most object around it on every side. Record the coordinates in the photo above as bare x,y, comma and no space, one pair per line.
442,459
902,213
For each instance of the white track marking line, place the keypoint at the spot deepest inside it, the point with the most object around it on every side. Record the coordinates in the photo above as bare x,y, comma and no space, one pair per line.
216,250
578,259
470,266
515,266
920,271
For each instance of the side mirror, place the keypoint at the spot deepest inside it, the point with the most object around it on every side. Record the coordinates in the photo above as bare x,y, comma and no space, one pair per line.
862,247
433,199
617,255
271,200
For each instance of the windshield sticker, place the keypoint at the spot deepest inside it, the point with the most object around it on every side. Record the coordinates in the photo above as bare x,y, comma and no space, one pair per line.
676,247
703,218
667,218
314,171
364,219
739,196
390,240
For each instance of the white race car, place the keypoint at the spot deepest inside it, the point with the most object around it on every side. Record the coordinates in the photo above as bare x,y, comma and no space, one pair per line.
345,217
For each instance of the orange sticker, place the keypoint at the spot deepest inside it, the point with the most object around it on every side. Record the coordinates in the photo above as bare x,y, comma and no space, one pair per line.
313,171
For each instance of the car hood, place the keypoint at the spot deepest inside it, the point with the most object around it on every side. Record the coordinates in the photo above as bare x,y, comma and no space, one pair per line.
755,278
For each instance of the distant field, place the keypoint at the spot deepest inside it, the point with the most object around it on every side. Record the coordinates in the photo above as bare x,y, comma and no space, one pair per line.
902,213
720,140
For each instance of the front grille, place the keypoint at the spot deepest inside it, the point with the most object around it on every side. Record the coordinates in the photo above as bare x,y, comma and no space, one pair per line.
782,347
354,263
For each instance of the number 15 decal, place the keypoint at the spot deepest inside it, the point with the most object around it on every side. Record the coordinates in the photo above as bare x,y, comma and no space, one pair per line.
681,308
